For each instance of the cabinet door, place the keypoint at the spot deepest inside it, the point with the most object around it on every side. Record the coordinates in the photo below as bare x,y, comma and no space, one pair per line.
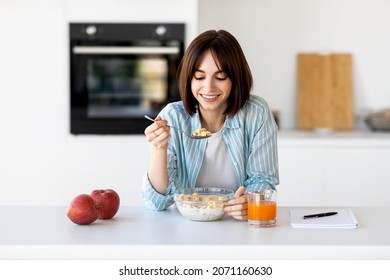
302,176
357,176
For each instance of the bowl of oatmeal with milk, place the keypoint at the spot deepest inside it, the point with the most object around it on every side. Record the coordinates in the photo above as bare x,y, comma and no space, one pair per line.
202,204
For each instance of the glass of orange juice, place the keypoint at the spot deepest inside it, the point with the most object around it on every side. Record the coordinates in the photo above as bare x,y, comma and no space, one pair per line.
262,208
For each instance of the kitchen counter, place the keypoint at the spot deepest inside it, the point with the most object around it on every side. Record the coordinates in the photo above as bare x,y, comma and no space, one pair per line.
44,232
340,138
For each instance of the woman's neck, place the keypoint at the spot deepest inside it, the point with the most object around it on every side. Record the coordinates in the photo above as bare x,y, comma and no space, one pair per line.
212,121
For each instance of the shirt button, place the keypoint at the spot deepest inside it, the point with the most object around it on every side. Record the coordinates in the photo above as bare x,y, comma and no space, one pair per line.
235,163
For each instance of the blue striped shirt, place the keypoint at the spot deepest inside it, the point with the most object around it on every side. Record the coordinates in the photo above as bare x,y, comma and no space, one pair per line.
251,139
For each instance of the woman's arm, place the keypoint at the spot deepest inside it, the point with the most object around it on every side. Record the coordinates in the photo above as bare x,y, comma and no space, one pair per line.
156,179
261,164
158,135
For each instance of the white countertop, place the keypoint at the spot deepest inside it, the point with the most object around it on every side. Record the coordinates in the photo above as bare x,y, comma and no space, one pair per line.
44,232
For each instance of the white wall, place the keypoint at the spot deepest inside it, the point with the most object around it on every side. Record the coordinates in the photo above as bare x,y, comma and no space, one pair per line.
272,32
135,11
40,162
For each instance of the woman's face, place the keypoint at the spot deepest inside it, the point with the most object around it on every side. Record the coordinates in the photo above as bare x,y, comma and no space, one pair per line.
210,85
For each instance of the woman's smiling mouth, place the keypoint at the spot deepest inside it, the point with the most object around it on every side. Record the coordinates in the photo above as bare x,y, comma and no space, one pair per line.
209,97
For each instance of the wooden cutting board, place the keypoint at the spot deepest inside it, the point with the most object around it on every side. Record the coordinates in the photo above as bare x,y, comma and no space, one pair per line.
324,88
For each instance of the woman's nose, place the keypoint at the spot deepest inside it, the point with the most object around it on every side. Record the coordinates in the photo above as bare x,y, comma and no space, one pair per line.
208,85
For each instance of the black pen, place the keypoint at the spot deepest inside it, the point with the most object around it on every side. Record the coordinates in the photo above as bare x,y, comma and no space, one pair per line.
319,215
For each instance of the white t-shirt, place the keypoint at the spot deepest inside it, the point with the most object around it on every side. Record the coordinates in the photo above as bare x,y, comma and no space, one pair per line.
217,168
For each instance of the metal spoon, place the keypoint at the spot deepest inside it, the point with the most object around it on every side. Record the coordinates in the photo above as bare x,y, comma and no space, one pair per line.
189,135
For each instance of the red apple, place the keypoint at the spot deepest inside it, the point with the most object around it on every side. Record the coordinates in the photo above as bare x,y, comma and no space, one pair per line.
82,210
107,203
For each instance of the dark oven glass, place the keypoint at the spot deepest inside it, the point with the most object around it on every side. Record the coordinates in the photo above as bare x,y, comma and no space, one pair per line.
121,72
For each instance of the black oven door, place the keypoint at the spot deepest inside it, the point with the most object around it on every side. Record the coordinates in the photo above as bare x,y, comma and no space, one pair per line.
115,82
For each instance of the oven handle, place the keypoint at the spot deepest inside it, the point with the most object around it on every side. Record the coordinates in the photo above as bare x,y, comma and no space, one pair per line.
124,50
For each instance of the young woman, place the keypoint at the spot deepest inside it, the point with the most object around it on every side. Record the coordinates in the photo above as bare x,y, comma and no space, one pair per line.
215,83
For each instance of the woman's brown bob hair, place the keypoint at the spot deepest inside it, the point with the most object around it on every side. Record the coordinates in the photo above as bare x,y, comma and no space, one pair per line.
229,57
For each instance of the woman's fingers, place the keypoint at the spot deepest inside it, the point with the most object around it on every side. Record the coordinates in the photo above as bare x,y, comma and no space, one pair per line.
238,206
159,127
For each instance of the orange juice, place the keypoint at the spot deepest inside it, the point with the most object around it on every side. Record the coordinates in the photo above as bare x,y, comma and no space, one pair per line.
262,211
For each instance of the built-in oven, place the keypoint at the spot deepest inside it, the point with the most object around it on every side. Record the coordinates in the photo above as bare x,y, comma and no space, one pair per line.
120,72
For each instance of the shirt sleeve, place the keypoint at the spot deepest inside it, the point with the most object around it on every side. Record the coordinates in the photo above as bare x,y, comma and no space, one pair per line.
153,199
262,166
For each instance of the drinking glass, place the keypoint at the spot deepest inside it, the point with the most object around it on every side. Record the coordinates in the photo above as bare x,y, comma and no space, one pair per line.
262,208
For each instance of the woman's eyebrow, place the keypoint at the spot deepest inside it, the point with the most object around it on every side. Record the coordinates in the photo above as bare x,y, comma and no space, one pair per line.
217,72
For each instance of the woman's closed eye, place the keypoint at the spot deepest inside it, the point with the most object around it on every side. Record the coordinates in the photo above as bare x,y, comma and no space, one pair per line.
217,78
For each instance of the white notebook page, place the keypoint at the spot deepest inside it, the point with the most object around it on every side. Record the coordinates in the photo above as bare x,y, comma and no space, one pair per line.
345,218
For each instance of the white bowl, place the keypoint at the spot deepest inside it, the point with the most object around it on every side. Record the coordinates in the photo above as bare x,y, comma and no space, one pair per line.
202,204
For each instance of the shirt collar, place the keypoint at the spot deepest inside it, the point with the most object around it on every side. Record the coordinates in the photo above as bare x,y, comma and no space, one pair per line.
233,122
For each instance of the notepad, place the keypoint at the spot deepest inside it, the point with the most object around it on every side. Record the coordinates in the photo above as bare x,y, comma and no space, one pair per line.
345,218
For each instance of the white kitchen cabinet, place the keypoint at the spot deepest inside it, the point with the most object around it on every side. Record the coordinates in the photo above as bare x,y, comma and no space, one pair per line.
302,176
341,168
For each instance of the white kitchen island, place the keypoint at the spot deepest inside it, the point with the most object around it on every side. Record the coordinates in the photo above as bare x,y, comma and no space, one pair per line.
44,232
